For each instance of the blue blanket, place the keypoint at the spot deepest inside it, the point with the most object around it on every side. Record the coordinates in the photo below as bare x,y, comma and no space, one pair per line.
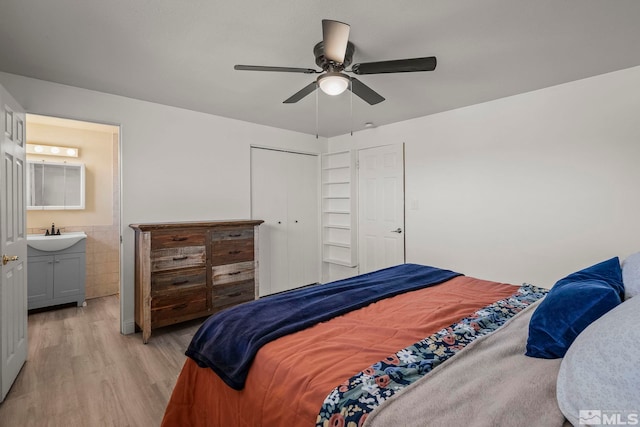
228,341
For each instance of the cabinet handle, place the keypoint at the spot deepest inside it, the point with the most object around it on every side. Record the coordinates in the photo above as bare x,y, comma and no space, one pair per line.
179,239
235,294
235,235
180,307
234,273
179,282
234,252
180,258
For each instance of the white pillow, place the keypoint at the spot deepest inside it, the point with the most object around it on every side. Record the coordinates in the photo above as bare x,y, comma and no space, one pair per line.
631,275
601,370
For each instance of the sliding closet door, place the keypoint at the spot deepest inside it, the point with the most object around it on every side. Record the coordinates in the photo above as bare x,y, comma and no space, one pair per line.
269,203
303,212
284,194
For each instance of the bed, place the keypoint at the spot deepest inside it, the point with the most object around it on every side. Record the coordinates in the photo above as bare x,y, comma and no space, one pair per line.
449,352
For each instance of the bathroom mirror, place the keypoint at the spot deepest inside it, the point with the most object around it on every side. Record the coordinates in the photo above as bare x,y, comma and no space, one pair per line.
55,186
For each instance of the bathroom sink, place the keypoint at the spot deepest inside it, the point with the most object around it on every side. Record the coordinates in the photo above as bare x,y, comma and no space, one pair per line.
54,243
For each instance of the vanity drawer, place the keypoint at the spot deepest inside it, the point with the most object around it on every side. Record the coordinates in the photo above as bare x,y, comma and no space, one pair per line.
224,296
229,273
176,239
177,306
173,258
178,280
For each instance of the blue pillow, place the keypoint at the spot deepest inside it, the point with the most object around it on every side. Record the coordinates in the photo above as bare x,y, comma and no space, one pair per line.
571,305
608,271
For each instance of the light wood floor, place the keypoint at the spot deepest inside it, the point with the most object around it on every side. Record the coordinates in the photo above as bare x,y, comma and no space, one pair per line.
82,372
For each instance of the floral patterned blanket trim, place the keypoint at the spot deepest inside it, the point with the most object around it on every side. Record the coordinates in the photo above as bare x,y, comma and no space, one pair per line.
350,403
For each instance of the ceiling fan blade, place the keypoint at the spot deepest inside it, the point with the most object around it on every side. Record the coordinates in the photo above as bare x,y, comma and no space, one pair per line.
396,66
301,93
365,92
335,36
279,69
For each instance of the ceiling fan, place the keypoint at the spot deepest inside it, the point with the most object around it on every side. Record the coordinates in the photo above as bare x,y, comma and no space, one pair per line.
334,54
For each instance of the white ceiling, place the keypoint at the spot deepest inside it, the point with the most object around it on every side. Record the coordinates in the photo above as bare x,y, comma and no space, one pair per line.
182,53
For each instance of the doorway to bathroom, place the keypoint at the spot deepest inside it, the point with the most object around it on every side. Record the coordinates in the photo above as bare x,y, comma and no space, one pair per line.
96,148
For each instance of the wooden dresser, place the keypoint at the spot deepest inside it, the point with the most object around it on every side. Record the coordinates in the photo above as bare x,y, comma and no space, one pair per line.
186,270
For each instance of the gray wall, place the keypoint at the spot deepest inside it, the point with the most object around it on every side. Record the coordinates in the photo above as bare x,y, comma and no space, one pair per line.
523,189
177,165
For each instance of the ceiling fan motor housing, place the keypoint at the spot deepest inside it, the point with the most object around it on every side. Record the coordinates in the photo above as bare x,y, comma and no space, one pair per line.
327,65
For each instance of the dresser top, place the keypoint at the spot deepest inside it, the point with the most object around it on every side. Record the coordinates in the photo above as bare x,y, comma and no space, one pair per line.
195,224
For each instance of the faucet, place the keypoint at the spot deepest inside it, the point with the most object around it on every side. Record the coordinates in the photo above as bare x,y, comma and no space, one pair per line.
54,231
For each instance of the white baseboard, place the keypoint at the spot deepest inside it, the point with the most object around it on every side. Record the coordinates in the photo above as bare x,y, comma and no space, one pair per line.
128,327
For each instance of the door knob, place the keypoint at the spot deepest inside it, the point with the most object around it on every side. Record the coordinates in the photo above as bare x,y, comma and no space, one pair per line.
397,230
6,259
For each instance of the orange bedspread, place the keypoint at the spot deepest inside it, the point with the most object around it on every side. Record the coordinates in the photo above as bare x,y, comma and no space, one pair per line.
291,377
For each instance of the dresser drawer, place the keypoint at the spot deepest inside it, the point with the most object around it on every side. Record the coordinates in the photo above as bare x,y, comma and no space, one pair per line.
178,280
230,246
233,293
177,306
232,234
229,273
172,258
176,239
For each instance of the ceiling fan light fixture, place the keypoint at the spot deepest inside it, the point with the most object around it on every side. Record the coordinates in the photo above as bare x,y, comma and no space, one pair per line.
333,83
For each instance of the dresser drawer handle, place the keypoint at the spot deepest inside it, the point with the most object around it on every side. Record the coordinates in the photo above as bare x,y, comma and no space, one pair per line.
179,239
180,307
180,282
235,294
235,235
234,252
180,258
234,273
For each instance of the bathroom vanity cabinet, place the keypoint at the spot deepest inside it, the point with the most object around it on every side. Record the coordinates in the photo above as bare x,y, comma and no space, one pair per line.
187,270
56,277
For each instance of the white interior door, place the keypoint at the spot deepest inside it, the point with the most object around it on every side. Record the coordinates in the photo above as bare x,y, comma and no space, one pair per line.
284,194
13,243
381,207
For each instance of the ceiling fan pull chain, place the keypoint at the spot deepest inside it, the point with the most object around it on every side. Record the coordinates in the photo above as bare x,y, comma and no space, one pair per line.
316,113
